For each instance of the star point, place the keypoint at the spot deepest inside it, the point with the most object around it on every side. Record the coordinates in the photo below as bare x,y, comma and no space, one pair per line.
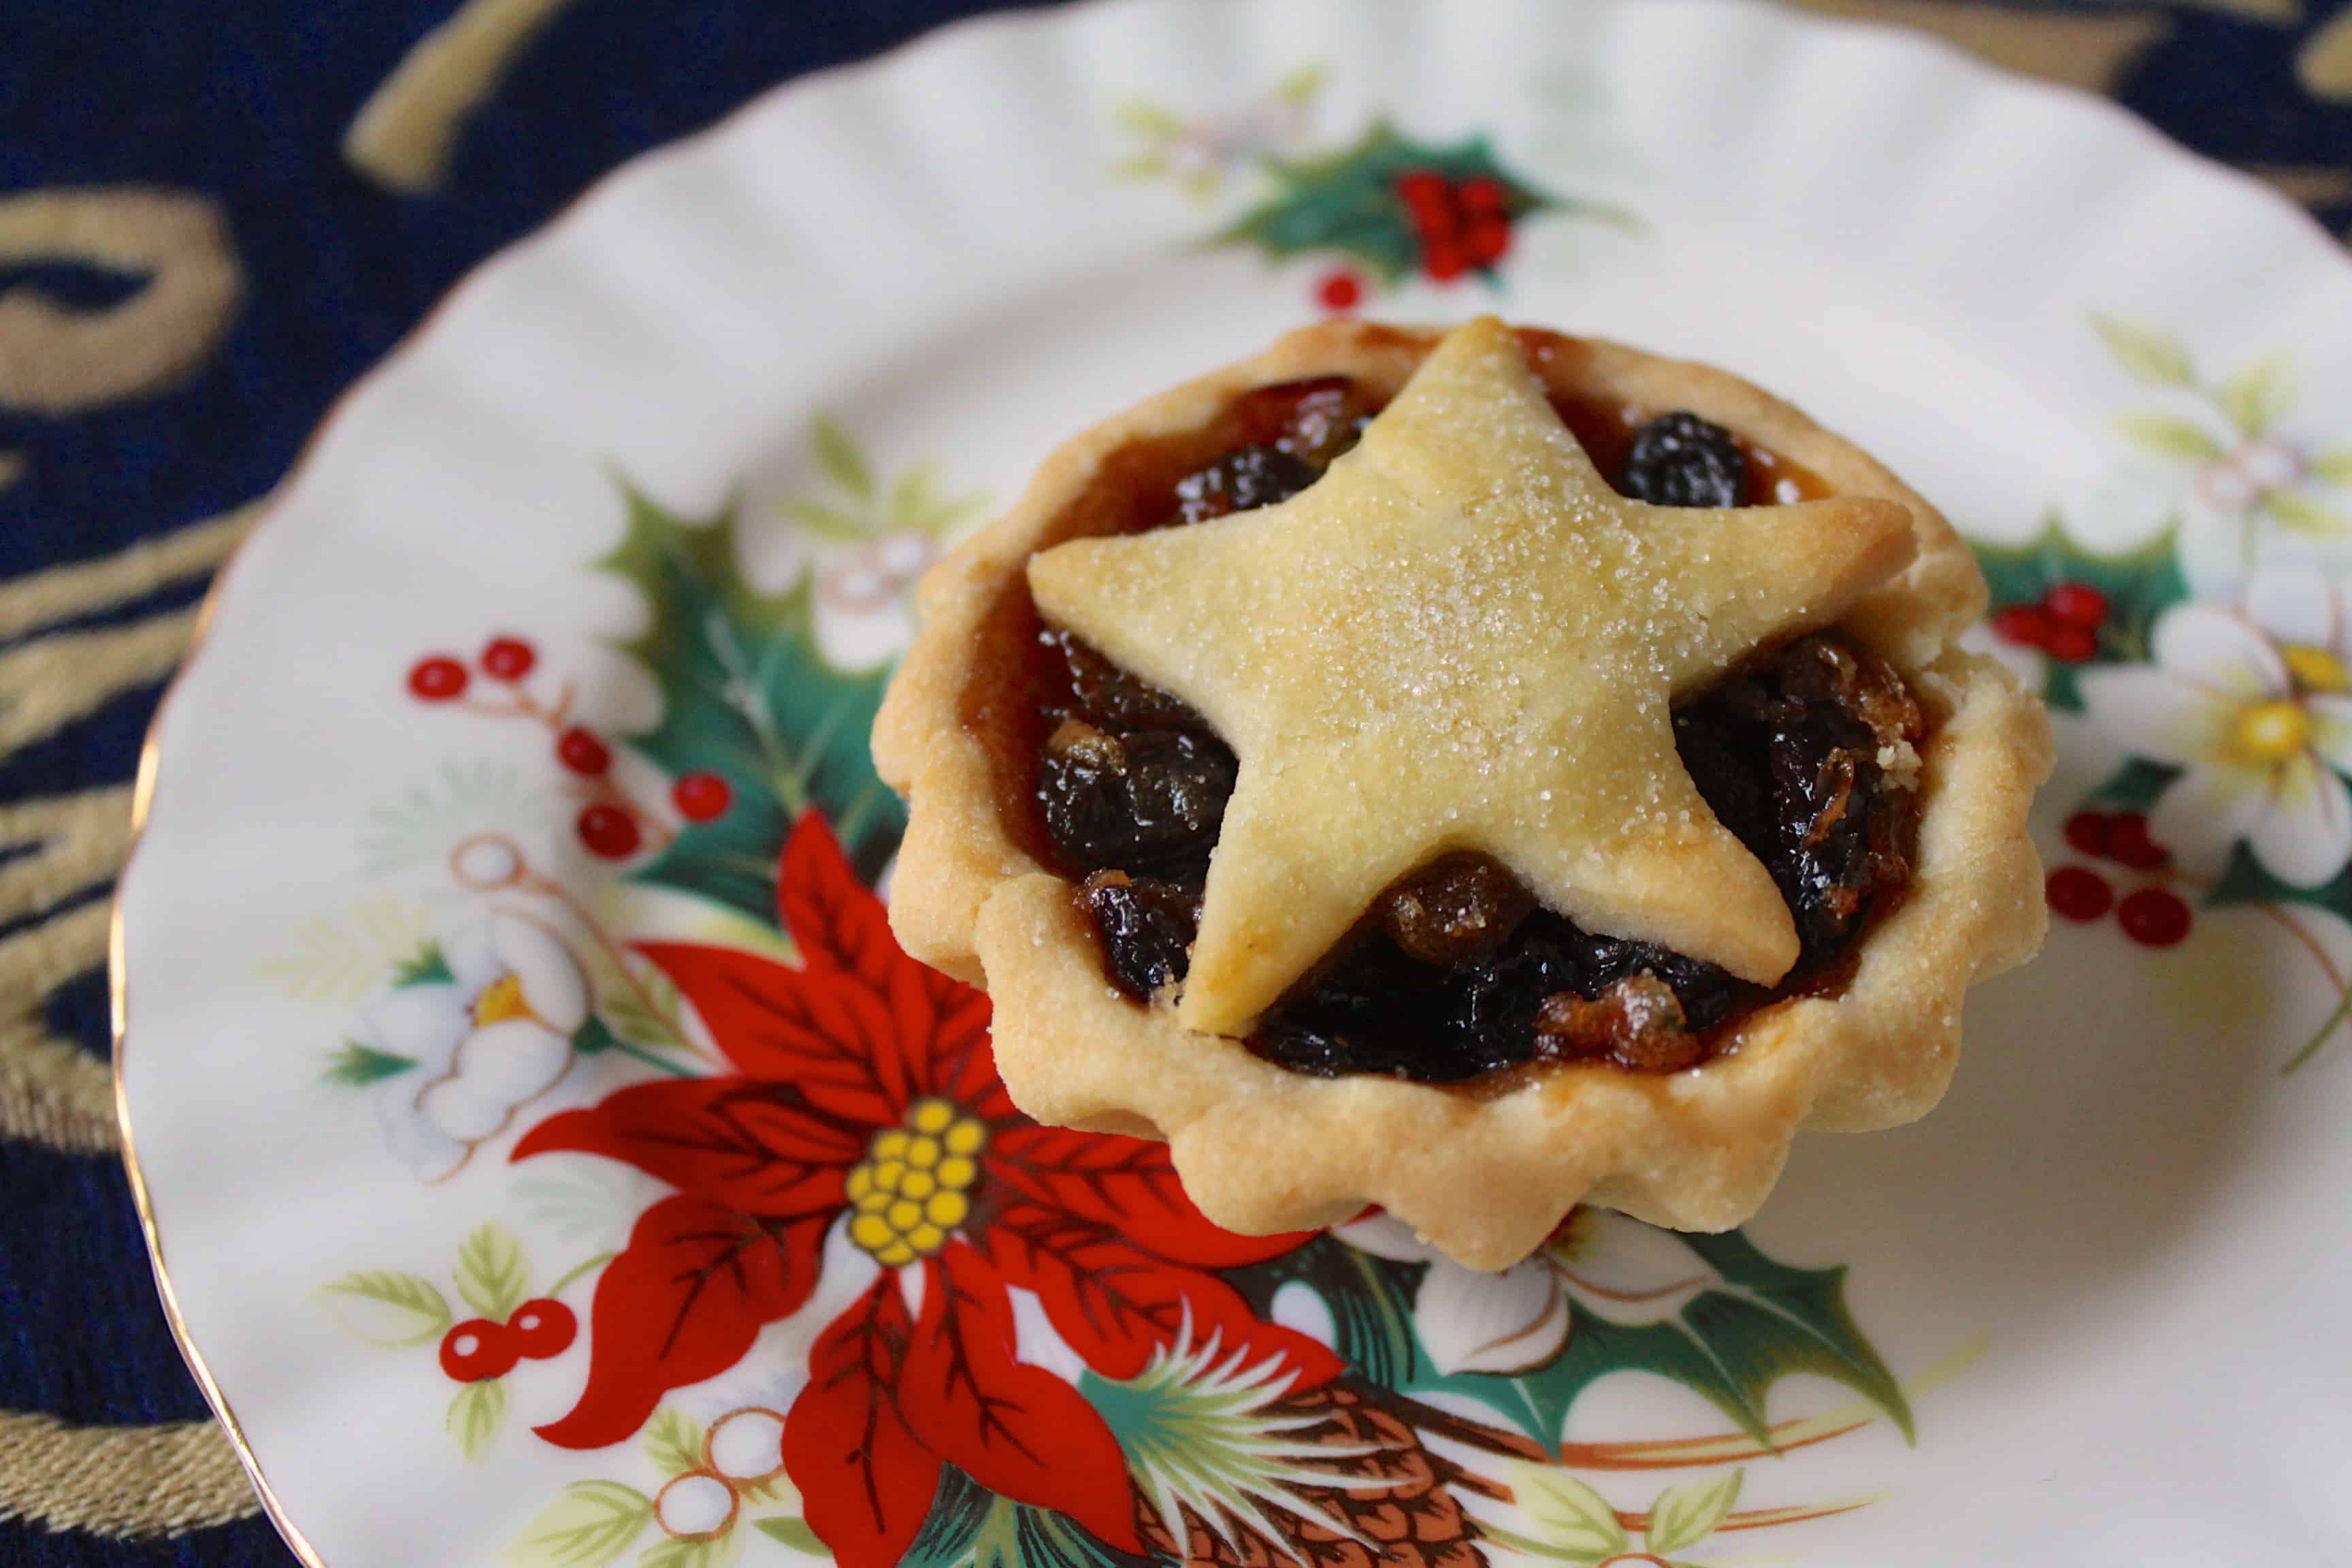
1463,638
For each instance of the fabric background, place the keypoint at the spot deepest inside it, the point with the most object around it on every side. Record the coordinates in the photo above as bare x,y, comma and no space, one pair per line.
213,217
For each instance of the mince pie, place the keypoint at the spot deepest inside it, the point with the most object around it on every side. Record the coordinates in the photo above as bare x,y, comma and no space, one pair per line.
1471,774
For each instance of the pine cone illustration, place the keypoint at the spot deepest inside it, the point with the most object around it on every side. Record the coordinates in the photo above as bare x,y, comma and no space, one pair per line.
1349,1464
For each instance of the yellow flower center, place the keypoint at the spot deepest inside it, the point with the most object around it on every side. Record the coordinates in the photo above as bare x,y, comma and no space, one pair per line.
914,1186
502,1001
2272,731
2316,668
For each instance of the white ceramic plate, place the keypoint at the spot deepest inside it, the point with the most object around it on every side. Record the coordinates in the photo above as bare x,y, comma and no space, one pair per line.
377,956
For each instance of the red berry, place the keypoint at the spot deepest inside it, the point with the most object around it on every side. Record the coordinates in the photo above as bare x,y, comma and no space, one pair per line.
608,831
2079,602
2128,842
2154,917
1340,290
2070,642
2079,893
2088,831
543,1327
1485,198
579,750
437,679
1445,260
700,796
2028,626
508,659
1425,191
1490,240
477,1350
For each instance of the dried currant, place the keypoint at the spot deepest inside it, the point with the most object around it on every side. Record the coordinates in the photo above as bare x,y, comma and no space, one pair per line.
1681,460
1242,480
1147,928
1135,799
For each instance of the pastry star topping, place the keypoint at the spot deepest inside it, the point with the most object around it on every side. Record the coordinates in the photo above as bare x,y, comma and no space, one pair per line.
1462,638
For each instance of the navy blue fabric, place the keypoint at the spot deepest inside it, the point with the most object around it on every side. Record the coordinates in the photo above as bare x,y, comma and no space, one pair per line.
248,100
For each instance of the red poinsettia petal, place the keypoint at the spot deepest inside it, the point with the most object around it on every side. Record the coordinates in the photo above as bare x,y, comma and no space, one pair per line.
682,1302
841,928
818,1030
1017,1430
866,1480
1128,1185
749,1145
1116,1303
834,917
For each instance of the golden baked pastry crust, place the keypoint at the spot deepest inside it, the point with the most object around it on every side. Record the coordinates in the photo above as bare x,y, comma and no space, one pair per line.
1483,1173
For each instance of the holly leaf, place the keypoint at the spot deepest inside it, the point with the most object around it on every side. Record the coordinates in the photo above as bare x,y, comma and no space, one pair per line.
589,1524
475,1415
746,696
356,1065
2138,584
492,1274
1759,1321
683,1301
2257,396
386,1308
2147,354
674,1441
1687,1514
1347,202
792,1532
2168,436
1565,1515
866,1482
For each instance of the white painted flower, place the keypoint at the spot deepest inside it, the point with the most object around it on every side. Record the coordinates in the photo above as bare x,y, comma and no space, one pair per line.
489,1028
864,601
1612,1267
2252,704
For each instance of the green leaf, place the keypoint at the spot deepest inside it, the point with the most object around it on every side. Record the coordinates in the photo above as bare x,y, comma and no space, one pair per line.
2259,396
2170,437
838,454
2140,584
2333,467
745,695
793,1532
589,1524
387,1307
2147,354
674,1441
1347,202
689,1553
426,967
827,522
2135,786
1687,1514
1146,119
2246,880
1301,85
1564,1514
475,1415
359,1065
2300,512
970,1527
492,1275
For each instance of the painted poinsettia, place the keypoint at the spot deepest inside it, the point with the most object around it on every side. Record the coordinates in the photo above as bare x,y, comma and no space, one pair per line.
1612,1267
866,1105
2254,705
